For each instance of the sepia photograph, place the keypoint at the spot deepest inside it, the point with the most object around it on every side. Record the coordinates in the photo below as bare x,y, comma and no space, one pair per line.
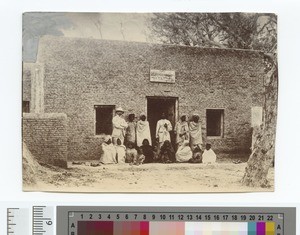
149,102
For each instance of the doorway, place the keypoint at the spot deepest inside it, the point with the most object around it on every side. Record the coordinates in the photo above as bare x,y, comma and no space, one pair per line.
156,105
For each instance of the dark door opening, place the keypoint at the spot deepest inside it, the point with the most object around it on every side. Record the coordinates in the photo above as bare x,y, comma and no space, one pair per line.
156,105
104,115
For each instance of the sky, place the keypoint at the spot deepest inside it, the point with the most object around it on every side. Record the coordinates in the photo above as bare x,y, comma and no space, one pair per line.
110,26
114,26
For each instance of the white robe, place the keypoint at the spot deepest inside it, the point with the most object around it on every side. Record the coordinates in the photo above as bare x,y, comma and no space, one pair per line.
119,125
183,129
121,152
209,156
142,132
195,133
162,133
109,154
184,153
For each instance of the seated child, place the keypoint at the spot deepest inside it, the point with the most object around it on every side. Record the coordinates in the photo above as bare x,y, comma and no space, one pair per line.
167,154
156,157
197,155
208,155
140,157
184,152
131,153
121,151
109,152
147,151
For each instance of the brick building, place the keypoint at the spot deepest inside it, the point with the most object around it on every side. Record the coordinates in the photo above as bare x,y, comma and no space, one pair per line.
86,79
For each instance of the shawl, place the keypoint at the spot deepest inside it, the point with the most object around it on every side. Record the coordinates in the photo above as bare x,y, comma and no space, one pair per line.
142,126
142,132
108,154
195,133
184,152
148,152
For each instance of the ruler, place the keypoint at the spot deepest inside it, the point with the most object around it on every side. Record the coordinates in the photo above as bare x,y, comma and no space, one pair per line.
18,221
42,220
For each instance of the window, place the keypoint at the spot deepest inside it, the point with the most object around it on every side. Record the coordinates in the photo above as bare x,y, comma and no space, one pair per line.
215,122
104,115
25,107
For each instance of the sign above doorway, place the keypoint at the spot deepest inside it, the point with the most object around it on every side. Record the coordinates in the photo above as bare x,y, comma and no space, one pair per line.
163,76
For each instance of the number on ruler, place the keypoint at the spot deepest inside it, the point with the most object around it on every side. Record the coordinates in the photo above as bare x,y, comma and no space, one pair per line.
42,220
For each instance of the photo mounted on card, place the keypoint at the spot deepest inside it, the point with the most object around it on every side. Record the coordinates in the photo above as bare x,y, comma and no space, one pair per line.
156,102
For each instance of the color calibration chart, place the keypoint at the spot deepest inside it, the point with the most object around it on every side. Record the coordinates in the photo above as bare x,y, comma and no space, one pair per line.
175,221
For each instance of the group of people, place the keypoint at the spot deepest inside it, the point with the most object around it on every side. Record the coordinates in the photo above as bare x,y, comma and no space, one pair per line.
130,141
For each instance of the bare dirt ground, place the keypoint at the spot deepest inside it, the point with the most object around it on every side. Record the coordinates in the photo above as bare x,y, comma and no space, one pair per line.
155,177
223,176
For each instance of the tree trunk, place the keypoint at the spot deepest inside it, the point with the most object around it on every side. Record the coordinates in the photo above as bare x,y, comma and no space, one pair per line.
262,156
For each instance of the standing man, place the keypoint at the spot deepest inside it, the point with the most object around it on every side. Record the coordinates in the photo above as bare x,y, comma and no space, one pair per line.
142,131
195,132
182,131
131,129
119,126
163,128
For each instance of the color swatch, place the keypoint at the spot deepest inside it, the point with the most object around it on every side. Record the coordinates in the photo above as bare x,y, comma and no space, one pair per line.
174,228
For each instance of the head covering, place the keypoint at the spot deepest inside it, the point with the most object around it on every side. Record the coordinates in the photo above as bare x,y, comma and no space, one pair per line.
143,116
145,142
167,143
107,138
119,109
196,118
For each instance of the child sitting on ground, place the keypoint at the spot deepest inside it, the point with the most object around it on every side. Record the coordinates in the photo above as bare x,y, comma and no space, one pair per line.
108,153
208,155
184,152
147,151
197,155
121,151
167,154
156,157
140,157
131,153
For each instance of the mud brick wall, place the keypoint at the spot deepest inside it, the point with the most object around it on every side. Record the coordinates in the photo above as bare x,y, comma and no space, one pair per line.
46,137
81,73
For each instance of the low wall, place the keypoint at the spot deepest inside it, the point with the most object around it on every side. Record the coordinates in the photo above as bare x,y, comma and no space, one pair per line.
46,137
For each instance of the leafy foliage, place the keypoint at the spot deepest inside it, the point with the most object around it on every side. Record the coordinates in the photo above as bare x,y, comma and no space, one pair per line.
224,30
242,31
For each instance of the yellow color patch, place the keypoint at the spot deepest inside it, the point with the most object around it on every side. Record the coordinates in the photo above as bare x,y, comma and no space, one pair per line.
270,228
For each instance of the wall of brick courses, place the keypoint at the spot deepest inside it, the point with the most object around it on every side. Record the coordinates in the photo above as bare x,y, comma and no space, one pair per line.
46,137
81,73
